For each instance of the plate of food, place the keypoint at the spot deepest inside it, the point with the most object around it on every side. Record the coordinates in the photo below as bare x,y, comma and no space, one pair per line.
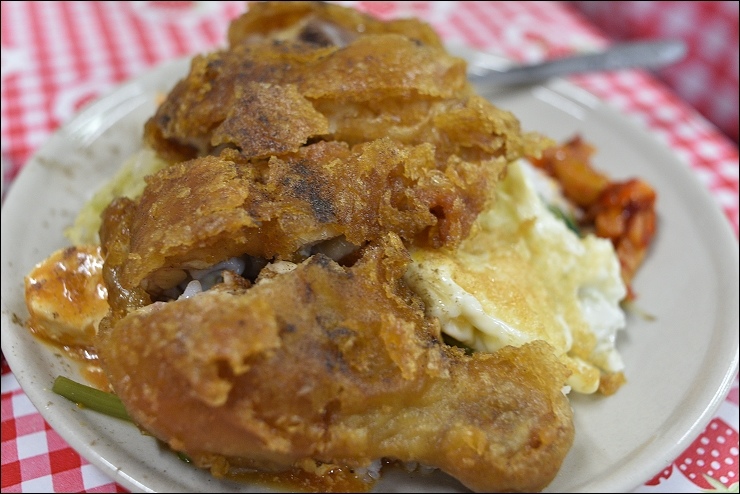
348,270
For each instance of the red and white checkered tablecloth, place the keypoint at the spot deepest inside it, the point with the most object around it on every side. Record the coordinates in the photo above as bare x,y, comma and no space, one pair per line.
57,56
707,77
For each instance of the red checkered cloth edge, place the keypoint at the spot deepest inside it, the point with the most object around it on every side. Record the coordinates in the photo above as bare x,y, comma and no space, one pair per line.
707,77
57,56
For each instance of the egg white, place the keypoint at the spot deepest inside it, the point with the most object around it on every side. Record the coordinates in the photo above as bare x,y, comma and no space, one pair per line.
523,275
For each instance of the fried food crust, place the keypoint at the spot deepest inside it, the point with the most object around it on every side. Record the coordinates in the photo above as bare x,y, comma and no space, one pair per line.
294,142
269,97
376,132
362,375
197,213
387,147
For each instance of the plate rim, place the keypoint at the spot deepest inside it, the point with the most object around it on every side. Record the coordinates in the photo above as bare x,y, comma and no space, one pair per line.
39,395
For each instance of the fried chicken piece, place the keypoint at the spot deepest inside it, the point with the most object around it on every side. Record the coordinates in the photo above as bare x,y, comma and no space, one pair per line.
337,365
269,98
197,213
283,149
319,23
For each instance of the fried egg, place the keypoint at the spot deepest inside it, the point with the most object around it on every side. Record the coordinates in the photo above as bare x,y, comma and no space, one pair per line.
524,275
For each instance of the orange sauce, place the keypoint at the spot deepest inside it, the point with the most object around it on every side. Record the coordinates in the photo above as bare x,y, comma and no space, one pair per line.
336,480
94,375
85,357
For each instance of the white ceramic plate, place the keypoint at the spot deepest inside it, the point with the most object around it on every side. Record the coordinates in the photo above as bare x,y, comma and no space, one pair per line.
679,367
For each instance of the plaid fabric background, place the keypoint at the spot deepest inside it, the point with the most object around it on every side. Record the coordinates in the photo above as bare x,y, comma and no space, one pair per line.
58,56
708,77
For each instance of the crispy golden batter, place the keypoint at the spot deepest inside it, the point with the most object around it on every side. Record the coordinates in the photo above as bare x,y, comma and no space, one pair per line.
197,213
338,365
319,23
318,136
269,97
295,142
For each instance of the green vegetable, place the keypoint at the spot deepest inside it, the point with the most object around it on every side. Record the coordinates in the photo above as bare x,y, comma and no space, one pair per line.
100,401
569,221
183,457
449,340
91,398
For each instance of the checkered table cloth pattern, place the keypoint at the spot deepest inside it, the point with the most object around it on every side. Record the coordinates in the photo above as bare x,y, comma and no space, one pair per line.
707,77
57,56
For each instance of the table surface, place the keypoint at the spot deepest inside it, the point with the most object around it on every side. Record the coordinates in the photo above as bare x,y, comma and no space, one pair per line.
58,56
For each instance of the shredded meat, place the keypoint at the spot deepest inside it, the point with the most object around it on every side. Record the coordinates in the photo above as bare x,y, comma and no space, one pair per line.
319,23
267,97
